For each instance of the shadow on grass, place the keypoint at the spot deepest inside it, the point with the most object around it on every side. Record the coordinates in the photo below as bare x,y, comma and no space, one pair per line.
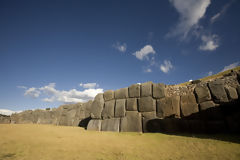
7,156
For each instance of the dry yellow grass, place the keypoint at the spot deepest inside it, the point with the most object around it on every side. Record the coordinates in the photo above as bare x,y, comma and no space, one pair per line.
47,142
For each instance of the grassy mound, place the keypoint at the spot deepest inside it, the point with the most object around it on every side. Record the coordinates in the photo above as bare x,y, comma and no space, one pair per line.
47,142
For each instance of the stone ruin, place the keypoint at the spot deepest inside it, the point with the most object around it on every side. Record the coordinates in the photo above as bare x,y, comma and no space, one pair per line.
200,107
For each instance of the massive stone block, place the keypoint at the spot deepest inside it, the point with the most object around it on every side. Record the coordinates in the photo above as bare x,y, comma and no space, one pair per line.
232,93
146,89
132,122
146,117
158,90
94,125
202,93
147,104
218,92
97,106
134,91
108,110
121,93
108,95
120,108
206,105
111,125
188,104
132,104
168,107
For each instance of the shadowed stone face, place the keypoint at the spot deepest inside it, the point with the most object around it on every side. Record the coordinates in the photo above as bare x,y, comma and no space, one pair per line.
97,106
147,104
146,89
168,106
218,91
206,105
134,91
146,116
202,93
94,125
188,104
120,108
158,90
232,93
132,104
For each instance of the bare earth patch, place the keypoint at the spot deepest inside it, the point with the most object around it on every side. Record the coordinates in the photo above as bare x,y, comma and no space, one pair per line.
47,142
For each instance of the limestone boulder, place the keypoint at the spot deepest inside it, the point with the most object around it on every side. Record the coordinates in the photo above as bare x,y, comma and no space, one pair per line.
206,105
146,89
147,104
112,124
188,105
232,93
97,106
134,91
132,122
108,110
108,95
121,93
202,93
120,108
218,92
94,125
132,104
168,107
158,90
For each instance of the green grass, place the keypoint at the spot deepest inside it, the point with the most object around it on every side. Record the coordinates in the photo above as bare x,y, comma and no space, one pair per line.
47,142
218,75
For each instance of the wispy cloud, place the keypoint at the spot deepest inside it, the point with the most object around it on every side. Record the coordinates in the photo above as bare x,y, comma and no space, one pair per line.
120,47
209,43
231,66
22,87
89,85
8,112
166,66
190,11
215,17
147,70
49,93
144,52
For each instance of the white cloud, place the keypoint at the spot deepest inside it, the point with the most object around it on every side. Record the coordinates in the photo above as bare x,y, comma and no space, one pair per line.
120,47
148,70
51,94
32,92
166,66
8,112
191,11
210,73
209,43
222,12
22,87
231,66
88,85
144,52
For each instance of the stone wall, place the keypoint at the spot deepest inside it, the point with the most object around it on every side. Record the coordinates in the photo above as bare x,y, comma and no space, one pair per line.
4,119
211,106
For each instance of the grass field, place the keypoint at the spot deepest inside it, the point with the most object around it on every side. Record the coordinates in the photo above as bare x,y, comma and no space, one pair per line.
47,142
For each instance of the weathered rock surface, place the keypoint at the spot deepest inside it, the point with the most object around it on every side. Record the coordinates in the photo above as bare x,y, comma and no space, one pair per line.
111,124
146,89
202,93
206,105
5,119
158,90
168,107
134,91
108,95
121,93
218,91
188,105
97,106
108,110
132,122
147,104
120,108
94,125
132,104
232,93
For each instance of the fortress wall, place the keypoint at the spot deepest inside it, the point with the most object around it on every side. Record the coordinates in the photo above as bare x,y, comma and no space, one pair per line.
211,106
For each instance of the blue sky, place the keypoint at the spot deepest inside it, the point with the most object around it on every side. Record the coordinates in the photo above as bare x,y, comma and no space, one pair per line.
55,52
